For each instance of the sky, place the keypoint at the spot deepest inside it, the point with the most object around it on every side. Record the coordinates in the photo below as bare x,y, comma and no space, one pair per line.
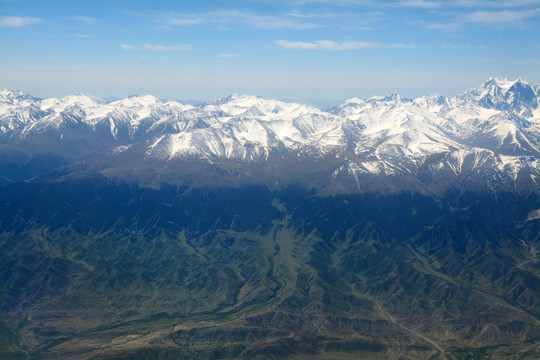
316,51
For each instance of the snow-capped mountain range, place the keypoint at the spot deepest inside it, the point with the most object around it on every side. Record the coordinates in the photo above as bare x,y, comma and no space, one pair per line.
495,127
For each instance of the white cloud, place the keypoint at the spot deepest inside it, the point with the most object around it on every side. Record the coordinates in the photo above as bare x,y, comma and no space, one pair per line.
332,45
501,16
183,20
448,26
495,4
152,47
462,47
426,4
15,21
325,45
179,47
84,19
229,18
304,15
267,22
362,28
487,17
487,4
82,36
420,4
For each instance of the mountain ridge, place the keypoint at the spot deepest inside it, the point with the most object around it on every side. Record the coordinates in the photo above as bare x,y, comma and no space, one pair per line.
379,136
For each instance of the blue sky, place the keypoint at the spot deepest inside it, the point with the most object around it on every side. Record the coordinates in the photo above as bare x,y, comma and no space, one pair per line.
312,50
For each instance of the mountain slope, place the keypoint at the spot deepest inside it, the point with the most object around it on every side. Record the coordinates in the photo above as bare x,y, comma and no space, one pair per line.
383,228
495,127
253,273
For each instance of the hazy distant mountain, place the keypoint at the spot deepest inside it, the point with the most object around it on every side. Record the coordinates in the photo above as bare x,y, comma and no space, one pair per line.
383,228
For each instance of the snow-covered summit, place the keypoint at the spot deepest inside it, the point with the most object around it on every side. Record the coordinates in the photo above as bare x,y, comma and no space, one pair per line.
15,96
501,94
255,106
138,101
433,102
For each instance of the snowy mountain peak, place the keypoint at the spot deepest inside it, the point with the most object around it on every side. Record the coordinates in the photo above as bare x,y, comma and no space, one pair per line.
501,94
496,81
256,106
353,101
392,98
176,105
138,101
82,100
235,98
503,85
14,96
10,93
433,102
395,97
520,93
16,102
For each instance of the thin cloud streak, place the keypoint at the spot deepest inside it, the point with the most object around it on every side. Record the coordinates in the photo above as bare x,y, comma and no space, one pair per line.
150,47
426,4
183,21
17,21
501,16
256,21
82,36
84,19
232,18
462,47
334,46
419,4
487,17
302,15
449,26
